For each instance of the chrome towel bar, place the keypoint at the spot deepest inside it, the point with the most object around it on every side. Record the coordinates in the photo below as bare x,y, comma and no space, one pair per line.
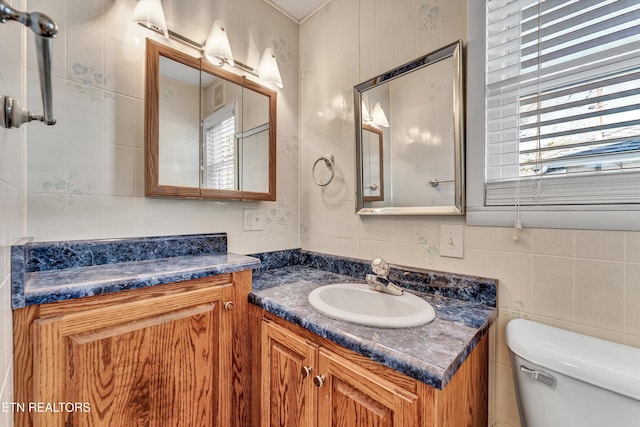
45,28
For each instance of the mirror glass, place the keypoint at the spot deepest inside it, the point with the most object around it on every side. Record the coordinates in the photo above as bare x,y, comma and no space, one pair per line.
209,133
413,115
372,164
179,113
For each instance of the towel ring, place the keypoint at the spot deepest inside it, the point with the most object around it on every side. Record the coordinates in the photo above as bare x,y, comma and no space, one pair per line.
323,170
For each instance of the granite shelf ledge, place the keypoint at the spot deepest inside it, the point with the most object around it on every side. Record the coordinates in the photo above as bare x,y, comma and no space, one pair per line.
58,285
56,271
430,353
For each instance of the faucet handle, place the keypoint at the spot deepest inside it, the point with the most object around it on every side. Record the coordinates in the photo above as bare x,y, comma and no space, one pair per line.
380,267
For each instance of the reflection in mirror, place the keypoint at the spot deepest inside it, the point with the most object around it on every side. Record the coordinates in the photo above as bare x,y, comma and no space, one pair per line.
235,140
372,164
417,109
179,113
221,120
209,133
254,141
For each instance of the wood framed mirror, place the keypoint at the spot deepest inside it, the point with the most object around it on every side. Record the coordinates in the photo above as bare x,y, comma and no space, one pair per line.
209,133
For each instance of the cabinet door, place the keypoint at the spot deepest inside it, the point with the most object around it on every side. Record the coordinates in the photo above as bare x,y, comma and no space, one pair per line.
350,396
287,392
151,362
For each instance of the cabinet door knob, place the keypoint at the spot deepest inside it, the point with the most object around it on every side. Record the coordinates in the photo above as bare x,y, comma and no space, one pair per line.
319,380
228,305
306,371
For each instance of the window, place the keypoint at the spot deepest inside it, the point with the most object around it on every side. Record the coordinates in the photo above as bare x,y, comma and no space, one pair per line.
219,150
562,102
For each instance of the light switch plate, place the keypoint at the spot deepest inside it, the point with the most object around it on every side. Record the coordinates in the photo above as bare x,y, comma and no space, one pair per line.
452,240
253,219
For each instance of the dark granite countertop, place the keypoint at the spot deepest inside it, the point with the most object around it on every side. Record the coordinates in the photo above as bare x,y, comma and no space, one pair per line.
465,305
431,353
57,285
56,271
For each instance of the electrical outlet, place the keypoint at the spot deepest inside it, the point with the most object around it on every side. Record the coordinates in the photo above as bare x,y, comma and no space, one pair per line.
452,240
253,219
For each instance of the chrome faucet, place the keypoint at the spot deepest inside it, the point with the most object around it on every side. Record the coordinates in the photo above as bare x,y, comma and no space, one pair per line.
380,280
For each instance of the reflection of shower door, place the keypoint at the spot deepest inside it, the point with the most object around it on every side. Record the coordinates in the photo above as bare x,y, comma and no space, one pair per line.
372,176
254,148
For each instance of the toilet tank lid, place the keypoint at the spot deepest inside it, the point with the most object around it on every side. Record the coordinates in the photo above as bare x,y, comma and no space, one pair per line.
612,366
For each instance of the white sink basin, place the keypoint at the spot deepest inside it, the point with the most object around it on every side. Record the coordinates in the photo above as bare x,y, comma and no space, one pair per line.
356,303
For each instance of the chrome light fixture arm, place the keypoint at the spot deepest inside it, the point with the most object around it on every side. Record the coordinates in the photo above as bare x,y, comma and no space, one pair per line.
172,35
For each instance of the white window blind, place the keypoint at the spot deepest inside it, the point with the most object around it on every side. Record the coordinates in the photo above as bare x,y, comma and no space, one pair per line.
219,151
562,102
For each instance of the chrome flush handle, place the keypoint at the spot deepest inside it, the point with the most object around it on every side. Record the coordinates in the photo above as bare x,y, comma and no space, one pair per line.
543,377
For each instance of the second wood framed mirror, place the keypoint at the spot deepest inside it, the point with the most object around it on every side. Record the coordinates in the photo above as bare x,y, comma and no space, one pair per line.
209,133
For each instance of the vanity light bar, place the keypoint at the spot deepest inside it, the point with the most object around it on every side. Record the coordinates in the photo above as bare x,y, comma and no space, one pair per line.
172,35
149,14
200,48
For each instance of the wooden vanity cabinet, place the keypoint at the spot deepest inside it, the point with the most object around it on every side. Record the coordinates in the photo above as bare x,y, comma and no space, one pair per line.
288,365
352,396
158,356
309,381
304,384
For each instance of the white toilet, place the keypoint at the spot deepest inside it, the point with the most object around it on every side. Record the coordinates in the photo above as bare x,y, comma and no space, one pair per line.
565,379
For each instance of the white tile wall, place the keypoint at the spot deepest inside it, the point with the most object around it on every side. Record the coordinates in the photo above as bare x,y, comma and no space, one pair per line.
12,193
86,174
587,281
